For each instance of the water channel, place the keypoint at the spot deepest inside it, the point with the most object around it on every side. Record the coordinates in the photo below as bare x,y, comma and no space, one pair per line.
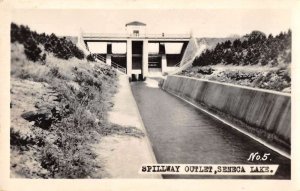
180,133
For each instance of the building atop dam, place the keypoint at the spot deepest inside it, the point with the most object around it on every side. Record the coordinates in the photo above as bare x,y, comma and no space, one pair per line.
135,51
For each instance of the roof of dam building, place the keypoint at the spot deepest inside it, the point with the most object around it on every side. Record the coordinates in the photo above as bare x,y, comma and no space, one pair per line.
135,23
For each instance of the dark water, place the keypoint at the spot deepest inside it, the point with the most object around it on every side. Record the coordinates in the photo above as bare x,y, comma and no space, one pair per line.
180,133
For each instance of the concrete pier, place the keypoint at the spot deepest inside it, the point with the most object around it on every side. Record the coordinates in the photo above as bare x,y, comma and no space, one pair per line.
145,59
129,58
108,59
163,63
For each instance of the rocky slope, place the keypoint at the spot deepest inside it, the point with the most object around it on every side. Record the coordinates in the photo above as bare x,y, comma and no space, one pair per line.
264,77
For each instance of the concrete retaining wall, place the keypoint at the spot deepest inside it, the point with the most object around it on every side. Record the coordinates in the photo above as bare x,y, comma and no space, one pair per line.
268,110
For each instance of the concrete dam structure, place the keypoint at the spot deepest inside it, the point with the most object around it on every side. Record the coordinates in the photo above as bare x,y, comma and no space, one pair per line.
266,110
136,51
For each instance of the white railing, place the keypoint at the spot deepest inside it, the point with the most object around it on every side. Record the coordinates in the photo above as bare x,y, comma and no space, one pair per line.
101,58
91,35
118,67
113,64
122,35
168,35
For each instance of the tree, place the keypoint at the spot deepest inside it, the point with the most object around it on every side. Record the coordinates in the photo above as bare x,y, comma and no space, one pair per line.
227,44
253,49
270,37
14,32
32,51
255,36
237,43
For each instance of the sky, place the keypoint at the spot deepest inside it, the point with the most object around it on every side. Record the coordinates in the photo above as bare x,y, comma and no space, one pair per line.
199,22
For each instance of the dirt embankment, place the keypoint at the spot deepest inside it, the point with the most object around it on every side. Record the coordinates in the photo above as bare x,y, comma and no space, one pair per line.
59,109
33,107
266,77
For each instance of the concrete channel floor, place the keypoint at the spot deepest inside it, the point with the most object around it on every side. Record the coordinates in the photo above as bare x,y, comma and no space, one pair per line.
122,155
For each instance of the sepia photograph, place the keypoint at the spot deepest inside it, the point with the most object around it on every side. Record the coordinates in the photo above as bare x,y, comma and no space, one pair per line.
139,93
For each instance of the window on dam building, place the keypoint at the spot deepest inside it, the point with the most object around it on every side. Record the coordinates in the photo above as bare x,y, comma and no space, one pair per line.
136,33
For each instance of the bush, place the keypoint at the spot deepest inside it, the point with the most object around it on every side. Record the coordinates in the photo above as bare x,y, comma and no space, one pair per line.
43,58
19,34
54,72
62,51
77,52
14,32
32,51
24,74
91,58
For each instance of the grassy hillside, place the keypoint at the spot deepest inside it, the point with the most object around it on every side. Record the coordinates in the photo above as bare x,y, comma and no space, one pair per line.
59,105
254,60
34,43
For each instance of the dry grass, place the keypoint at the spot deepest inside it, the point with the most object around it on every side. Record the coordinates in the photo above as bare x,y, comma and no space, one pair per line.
276,78
85,90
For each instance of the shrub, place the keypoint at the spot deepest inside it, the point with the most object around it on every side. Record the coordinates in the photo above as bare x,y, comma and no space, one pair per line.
62,51
77,52
14,32
43,58
20,34
255,36
91,58
24,74
54,71
32,51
